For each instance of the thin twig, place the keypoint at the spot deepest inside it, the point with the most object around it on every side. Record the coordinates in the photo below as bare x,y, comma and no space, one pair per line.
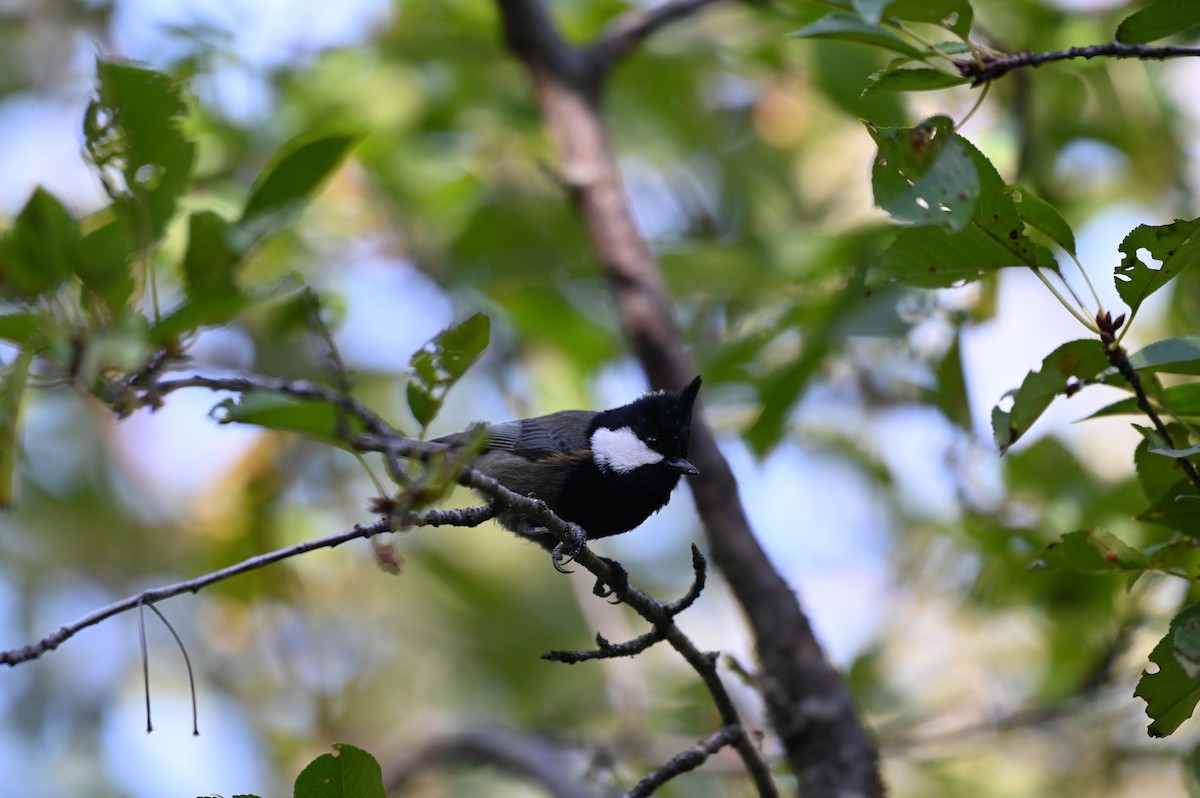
187,661
1119,359
991,67
687,760
52,641
632,28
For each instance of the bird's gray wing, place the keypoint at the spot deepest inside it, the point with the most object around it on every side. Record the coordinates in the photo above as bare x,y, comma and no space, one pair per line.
546,436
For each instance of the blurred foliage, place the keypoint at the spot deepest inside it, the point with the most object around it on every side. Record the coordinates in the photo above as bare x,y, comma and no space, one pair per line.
1018,619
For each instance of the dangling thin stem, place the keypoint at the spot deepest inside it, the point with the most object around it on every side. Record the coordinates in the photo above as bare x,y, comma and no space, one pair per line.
186,661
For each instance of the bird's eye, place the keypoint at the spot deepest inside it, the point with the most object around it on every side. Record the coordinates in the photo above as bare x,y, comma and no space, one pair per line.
652,440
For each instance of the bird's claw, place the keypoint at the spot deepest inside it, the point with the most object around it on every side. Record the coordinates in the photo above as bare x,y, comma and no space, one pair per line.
566,552
617,586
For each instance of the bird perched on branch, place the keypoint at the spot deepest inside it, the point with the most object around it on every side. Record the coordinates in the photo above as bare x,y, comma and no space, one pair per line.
606,471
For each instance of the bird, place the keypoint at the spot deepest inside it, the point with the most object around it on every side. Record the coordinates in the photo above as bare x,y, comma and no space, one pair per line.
606,471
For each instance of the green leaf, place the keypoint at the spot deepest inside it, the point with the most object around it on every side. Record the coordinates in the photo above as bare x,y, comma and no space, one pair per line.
1176,454
1171,355
210,259
1156,474
1158,20
1178,508
1093,551
193,314
319,420
290,181
132,132
851,28
104,268
953,15
923,176
353,773
930,257
1171,694
12,391
1175,245
1042,216
22,329
897,79
1074,361
41,251
441,362
1181,401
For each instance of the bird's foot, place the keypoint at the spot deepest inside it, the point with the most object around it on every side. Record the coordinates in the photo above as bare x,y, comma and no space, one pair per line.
564,552
617,586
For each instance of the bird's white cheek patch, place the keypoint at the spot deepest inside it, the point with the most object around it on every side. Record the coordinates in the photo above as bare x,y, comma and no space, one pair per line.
621,450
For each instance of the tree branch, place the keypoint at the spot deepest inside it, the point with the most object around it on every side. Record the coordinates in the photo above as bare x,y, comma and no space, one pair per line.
629,30
991,67
1119,359
810,708
533,757
52,641
687,760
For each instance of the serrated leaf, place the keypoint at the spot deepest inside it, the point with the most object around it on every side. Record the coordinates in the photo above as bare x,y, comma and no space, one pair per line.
132,133
1181,401
923,176
41,251
1178,508
887,81
12,392
296,173
929,257
1171,355
1175,245
1073,361
1158,20
1042,216
441,362
1093,551
353,773
1170,694
851,28
319,420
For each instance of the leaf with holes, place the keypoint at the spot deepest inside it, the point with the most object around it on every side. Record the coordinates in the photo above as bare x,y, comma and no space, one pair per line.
1072,362
931,257
1175,246
1171,693
441,362
353,773
922,175
1093,551
133,135
1042,216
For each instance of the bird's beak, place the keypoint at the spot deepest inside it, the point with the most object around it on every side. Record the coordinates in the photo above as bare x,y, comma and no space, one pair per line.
682,466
